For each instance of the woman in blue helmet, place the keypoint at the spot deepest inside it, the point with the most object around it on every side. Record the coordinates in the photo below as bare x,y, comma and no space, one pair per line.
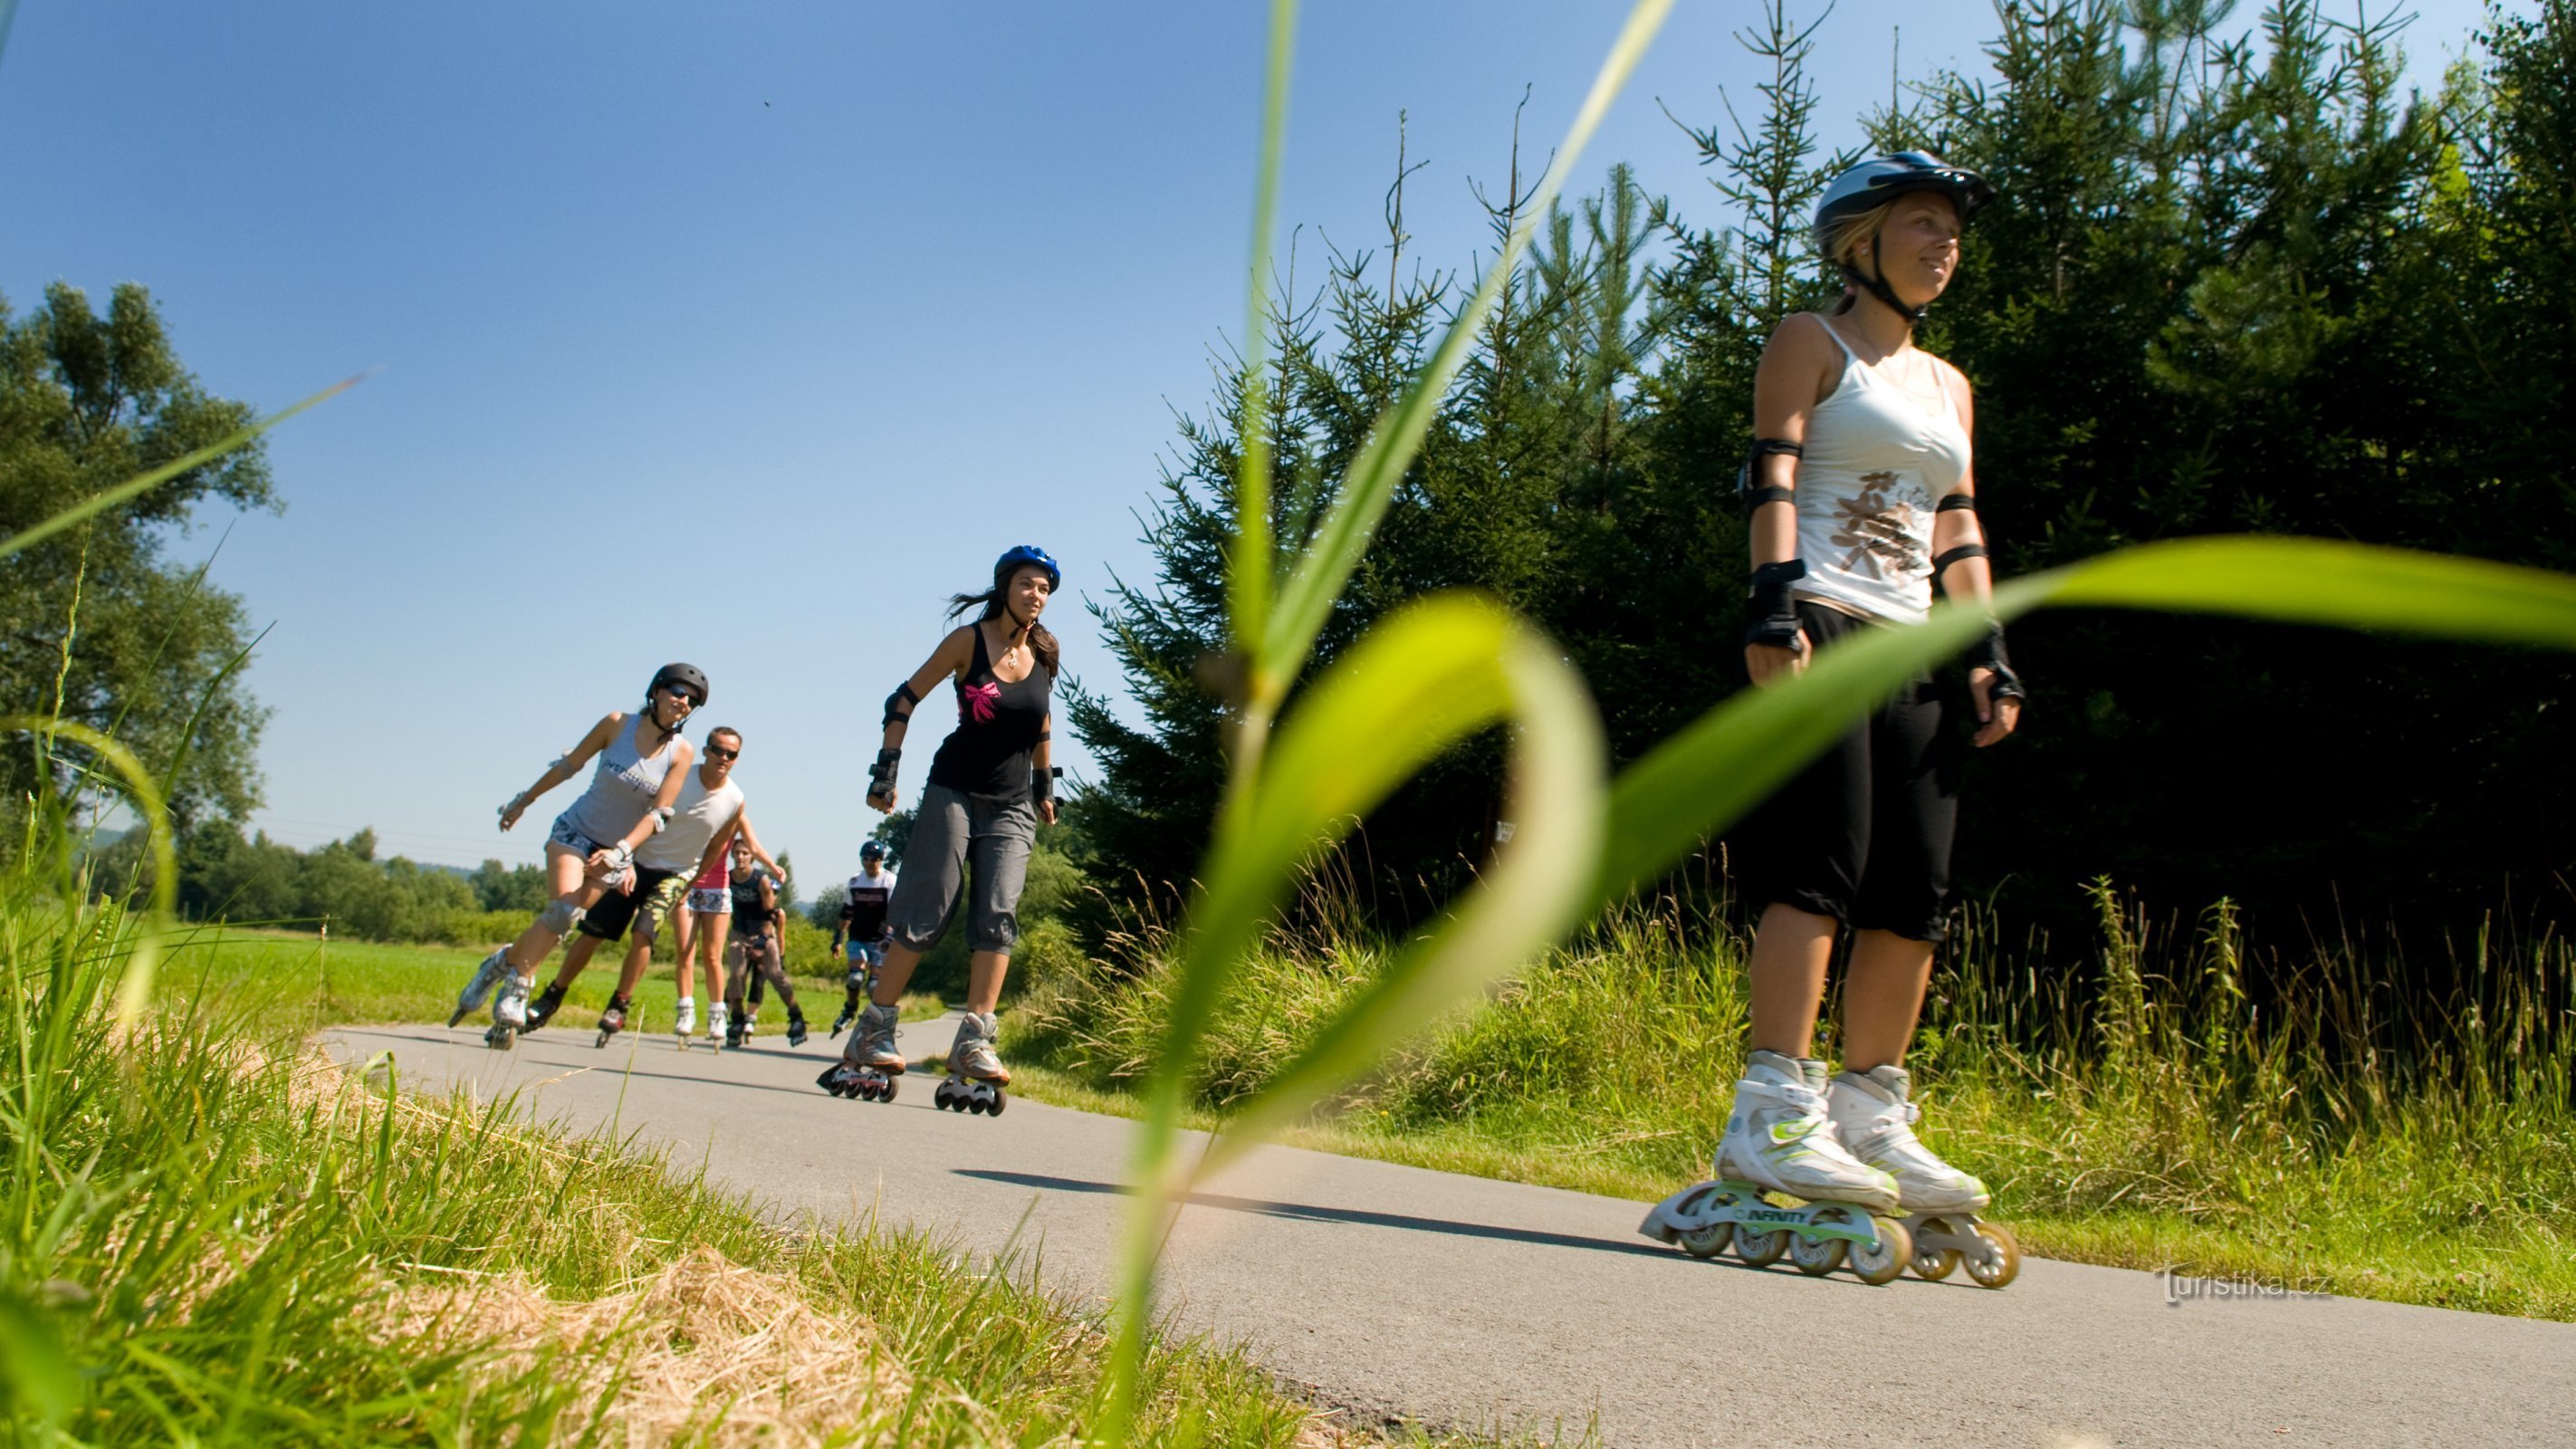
1861,503
990,784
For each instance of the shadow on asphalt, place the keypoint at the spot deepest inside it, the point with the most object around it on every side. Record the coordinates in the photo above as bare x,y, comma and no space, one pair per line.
1311,1213
617,1064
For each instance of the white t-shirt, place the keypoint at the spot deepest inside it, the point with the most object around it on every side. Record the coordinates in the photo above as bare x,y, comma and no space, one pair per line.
698,814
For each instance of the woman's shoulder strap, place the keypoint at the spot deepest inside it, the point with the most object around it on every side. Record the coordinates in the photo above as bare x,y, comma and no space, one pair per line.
1826,324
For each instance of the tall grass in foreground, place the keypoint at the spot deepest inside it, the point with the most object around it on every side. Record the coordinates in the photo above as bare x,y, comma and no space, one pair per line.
2359,1133
205,1239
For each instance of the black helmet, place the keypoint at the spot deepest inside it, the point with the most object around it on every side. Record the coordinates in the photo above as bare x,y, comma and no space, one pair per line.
684,674
873,850
1027,553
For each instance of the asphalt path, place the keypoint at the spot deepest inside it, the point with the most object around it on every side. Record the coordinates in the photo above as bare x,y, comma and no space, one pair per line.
1398,1292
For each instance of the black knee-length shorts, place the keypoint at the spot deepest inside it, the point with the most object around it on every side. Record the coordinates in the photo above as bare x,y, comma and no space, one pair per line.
1863,834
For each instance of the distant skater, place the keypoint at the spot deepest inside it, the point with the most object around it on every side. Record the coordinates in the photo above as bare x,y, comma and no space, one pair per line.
862,929
709,815
590,849
991,783
756,952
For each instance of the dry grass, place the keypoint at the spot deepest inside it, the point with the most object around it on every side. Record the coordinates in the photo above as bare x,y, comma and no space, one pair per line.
702,1351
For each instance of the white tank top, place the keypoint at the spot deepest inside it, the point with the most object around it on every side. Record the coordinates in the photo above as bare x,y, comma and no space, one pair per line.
1878,457
623,787
696,817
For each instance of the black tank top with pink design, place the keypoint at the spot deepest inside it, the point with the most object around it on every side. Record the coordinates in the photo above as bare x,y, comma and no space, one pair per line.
998,723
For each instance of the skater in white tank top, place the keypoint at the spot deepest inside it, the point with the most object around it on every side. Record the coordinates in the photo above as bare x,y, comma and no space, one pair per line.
590,849
1861,501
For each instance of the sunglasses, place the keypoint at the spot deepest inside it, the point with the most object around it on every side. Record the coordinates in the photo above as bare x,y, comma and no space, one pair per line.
723,754
681,691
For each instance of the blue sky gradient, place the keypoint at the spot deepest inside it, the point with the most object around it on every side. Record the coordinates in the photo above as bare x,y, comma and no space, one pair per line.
747,334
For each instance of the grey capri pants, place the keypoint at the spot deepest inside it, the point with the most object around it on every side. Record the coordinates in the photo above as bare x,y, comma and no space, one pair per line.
950,827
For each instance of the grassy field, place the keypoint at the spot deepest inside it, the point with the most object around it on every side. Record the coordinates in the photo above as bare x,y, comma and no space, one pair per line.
208,1235
2350,1139
292,983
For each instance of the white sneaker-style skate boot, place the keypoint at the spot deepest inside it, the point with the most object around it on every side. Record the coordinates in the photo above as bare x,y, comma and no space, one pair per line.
509,1011
976,1076
716,1024
685,1024
1780,1138
1874,1115
870,1065
488,974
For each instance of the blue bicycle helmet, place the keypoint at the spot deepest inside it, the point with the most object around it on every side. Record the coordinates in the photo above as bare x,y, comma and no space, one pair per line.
873,850
1028,553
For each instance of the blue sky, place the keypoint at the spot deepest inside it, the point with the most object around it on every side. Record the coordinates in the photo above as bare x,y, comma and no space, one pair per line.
746,334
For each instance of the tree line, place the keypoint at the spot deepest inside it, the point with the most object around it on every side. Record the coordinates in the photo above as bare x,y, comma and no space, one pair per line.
2235,280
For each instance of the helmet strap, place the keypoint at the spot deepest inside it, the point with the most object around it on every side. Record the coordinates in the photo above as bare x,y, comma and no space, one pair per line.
1877,286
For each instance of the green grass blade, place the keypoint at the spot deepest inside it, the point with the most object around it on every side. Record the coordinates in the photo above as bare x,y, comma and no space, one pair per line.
1706,777
1361,502
1526,900
145,482
1426,677
1248,576
1422,680
134,992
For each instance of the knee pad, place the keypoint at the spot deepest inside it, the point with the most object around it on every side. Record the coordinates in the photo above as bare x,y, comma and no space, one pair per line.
560,917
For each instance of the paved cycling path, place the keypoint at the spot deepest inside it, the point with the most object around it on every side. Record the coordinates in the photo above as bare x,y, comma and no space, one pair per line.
1457,1300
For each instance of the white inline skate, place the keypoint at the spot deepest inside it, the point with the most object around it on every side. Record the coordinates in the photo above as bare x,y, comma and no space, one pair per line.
488,974
685,1024
1779,1140
1874,1115
976,1076
509,1012
870,1067
719,1030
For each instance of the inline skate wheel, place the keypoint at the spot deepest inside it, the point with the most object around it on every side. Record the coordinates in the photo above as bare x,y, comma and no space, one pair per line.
1884,1261
885,1090
1815,1257
456,1016
1760,1249
1934,1264
1997,1259
1707,1242
500,1038
999,1097
977,1105
944,1096
602,1039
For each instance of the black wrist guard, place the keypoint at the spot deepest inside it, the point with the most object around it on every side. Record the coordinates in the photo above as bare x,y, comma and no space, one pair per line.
881,774
1775,615
1042,783
1988,653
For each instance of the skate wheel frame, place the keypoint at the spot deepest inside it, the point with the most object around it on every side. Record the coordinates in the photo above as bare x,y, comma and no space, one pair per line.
1945,1241
1707,1219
